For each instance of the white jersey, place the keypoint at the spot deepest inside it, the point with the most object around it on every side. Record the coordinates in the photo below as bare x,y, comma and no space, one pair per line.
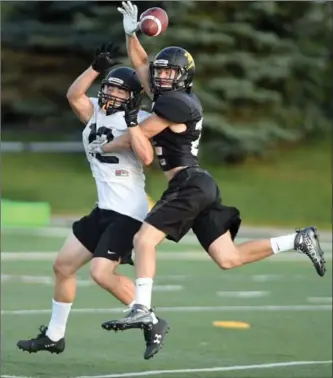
119,177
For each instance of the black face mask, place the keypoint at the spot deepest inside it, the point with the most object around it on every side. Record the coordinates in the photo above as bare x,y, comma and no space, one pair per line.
110,103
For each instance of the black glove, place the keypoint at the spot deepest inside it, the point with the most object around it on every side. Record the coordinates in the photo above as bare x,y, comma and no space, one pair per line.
105,57
132,107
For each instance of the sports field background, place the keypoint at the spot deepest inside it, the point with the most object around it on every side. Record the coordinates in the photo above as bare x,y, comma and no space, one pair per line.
287,306
292,188
263,75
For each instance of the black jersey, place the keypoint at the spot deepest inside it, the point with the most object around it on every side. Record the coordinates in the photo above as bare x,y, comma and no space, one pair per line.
178,149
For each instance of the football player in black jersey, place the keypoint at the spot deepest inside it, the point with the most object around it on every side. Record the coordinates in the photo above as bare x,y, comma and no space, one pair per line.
192,199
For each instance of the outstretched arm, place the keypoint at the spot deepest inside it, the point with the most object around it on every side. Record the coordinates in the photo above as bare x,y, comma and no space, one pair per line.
139,61
118,144
76,94
136,53
77,98
138,137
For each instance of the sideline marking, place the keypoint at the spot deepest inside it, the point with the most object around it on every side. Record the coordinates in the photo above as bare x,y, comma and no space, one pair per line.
179,309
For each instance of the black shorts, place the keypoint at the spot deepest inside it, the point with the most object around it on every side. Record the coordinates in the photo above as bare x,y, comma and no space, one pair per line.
106,233
192,200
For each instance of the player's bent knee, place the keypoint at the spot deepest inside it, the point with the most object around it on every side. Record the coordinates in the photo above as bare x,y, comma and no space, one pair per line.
99,277
225,253
226,259
227,264
147,238
72,256
137,240
105,282
63,268
102,271
140,241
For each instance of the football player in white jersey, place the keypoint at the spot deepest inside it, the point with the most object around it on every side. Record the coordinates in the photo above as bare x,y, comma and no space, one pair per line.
105,236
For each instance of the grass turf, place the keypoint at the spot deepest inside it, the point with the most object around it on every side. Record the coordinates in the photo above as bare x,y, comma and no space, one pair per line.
274,336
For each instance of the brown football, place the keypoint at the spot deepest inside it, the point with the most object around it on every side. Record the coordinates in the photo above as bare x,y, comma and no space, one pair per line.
154,21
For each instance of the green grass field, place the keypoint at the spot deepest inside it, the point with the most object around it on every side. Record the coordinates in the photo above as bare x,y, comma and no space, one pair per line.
292,188
191,292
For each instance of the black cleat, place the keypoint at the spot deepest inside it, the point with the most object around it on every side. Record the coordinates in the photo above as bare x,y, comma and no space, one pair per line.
42,342
154,338
138,317
307,242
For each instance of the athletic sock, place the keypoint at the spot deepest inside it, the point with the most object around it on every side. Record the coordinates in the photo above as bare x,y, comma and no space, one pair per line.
283,243
57,326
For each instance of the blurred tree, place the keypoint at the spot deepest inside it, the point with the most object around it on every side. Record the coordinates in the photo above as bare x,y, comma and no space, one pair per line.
45,46
262,70
262,67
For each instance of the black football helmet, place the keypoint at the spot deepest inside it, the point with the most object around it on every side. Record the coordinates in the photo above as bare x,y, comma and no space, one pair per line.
178,59
124,78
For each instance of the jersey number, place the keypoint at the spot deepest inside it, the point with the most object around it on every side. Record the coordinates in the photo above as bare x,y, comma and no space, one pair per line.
93,136
195,143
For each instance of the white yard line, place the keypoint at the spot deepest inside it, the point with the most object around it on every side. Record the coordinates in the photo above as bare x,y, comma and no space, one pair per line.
267,277
179,309
242,294
272,365
319,299
208,370
57,232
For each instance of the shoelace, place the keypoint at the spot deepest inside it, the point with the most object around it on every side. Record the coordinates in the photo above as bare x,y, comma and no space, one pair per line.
133,309
147,335
42,330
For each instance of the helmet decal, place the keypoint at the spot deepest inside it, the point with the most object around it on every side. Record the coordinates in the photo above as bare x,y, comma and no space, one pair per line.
189,60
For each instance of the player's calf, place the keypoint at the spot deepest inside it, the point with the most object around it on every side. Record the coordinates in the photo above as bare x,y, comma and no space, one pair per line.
227,255
102,271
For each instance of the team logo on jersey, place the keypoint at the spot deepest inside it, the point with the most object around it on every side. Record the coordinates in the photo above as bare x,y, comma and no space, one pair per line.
122,173
190,60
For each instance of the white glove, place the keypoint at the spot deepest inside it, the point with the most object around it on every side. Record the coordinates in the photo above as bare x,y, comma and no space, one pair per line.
130,17
95,147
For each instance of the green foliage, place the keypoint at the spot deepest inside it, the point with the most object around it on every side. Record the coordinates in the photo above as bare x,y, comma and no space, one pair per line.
45,46
263,68
261,71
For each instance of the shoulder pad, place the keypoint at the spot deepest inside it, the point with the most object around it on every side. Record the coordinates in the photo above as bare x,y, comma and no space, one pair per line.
177,107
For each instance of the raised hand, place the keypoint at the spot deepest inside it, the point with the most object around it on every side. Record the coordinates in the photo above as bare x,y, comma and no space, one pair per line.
96,147
106,57
132,108
130,17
